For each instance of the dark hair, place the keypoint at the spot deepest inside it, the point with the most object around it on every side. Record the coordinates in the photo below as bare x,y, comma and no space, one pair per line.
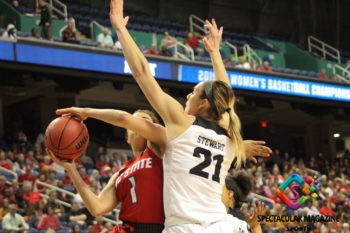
49,205
241,184
149,113
221,99
34,31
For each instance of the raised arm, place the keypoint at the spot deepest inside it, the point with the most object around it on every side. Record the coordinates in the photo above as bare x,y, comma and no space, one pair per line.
212,45
149,130
167,107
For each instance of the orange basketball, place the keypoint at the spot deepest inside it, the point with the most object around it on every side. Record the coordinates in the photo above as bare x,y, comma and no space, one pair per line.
67,137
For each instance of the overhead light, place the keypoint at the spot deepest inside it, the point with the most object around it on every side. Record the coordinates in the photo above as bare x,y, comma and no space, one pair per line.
336,135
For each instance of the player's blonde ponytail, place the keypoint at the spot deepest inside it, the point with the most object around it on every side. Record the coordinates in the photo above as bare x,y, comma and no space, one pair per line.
221,99
234,131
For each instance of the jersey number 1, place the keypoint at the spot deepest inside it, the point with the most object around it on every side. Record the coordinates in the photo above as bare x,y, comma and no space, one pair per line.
198,170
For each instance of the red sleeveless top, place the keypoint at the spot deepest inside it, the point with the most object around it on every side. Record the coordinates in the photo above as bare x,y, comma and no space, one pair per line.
139,187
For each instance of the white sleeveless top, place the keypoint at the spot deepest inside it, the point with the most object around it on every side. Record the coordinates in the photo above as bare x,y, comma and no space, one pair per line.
195,165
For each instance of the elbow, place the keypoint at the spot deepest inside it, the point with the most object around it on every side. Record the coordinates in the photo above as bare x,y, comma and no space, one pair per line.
97,213
137,74
141,71
122,118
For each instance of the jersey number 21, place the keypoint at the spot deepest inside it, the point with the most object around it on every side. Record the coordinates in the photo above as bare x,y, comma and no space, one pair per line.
198,170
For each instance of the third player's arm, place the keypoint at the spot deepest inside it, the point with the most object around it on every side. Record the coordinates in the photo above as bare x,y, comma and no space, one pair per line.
213,48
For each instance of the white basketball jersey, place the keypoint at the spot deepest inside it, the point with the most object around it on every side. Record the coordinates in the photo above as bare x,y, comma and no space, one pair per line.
195,166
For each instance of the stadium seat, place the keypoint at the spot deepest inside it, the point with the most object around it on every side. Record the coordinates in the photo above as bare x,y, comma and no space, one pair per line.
87,18
287,70
68,188
24,34
137,26
277,69
155,28
172,31
294,71
59,176
234,63
304,72
162,30
130,26
89,171
146,28
7,175
77,16
310,73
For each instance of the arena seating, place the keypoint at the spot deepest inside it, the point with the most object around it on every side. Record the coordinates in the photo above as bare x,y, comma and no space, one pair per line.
267,176
84,15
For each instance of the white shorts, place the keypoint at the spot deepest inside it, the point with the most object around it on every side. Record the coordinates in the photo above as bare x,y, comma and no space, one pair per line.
227,225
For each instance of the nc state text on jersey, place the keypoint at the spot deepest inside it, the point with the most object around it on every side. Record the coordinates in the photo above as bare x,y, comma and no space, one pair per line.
209,142
143,163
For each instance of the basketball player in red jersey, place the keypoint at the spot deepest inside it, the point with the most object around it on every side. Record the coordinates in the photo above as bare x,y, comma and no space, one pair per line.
138,186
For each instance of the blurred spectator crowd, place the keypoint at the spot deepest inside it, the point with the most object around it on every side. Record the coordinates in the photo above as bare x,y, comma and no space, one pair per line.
185,47
28,206
333,198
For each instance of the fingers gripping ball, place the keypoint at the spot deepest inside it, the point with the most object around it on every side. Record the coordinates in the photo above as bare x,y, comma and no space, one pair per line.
67,137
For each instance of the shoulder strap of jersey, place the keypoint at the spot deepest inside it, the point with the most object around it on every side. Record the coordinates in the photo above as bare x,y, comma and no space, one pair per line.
200,121
151,153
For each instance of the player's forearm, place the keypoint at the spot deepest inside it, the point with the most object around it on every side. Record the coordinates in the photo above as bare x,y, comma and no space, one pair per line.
110,116
90,200
136,60
219,67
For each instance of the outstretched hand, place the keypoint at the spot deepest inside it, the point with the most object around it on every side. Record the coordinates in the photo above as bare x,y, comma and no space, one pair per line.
252,218
213,43
73,111
256,148
66,165
116,15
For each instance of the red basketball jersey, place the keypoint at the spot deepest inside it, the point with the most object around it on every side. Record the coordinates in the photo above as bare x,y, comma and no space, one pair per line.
140,189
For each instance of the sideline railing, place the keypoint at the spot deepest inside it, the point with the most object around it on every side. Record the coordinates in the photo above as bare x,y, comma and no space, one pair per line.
343,181
317,173
254,195
14,174
251,55
62,12
181,55
92,28
70,205
344,71
234,49
324,48
116,211
197,23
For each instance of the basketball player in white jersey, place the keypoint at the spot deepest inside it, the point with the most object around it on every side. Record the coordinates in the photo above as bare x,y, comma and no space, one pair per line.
202,140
